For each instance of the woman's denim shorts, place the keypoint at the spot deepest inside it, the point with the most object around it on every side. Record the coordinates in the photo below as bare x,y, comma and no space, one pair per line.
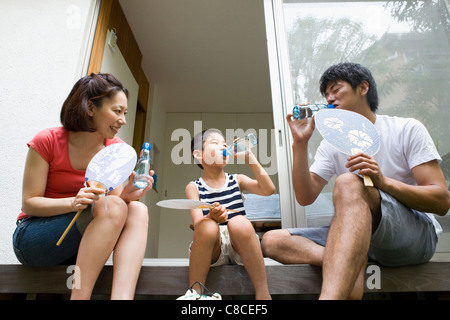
35,238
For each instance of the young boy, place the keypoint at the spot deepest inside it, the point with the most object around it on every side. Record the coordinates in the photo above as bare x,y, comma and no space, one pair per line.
221,236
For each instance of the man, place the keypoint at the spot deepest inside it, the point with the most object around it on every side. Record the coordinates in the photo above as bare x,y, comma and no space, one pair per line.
390,222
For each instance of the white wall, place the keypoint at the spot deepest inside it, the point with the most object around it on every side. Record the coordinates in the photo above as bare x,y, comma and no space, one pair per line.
42,47
113,62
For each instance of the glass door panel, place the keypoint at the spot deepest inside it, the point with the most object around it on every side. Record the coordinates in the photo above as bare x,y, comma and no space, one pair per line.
404,43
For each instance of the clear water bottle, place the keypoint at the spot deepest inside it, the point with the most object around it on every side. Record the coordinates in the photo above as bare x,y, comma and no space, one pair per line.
306,111
143,167
241,144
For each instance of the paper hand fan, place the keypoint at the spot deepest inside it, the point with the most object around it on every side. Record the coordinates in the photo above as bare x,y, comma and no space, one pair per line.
186,204
349,132
109,168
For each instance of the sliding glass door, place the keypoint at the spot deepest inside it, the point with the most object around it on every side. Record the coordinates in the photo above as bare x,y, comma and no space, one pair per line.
404,43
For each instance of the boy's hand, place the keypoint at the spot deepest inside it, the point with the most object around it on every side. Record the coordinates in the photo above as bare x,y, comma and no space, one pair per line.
246,156
218,213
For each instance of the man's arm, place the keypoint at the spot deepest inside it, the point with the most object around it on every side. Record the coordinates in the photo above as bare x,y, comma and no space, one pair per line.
307,185
429,195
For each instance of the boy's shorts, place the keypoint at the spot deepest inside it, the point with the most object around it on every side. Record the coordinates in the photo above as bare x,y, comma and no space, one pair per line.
227,253
403,237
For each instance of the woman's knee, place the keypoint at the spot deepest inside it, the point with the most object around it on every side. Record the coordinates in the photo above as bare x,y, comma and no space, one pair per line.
138,211
112,208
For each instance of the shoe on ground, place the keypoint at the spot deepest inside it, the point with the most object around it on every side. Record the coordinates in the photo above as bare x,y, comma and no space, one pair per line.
191,294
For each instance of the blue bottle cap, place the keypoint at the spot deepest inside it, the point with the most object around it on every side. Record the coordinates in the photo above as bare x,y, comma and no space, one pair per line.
330,106
146,146
226,152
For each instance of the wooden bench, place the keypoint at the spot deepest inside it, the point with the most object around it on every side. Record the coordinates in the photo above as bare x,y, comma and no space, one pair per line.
168,278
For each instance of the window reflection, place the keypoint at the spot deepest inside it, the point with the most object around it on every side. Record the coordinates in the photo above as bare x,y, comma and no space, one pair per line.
404,43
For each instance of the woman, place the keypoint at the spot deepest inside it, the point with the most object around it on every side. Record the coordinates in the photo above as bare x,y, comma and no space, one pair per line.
53,191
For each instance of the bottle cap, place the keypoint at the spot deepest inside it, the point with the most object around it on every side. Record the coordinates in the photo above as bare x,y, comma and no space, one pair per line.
330,106
296,112
146,146
226,152
252,138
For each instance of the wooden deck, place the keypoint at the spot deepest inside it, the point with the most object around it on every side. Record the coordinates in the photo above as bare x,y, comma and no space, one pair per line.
166,278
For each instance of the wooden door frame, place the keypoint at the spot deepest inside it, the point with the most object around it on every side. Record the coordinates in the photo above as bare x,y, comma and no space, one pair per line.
112,16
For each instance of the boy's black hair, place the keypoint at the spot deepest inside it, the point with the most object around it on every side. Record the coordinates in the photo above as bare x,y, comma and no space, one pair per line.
354,74
199,138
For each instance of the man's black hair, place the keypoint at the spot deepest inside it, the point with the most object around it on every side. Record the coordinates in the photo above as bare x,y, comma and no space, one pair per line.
354,74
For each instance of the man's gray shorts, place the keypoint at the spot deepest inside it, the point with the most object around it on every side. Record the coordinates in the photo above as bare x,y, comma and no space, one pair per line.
403,237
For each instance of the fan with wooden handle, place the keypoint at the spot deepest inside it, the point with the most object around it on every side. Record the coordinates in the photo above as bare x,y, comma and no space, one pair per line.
108,169
186,204
349,132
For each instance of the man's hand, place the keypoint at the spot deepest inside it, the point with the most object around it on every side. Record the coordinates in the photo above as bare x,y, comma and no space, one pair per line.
301,130
367,166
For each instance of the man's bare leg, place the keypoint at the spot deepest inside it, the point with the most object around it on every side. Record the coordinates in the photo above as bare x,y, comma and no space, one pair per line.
349,236
283,247
280,245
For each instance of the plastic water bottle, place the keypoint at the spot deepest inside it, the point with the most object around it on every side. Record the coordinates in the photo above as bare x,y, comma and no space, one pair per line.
143,167
241,144
306,111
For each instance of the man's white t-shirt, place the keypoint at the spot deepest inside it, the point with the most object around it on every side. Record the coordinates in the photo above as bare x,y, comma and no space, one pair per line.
404,144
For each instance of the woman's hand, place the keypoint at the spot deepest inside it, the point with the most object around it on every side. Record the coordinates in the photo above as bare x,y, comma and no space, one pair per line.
130,192
85,197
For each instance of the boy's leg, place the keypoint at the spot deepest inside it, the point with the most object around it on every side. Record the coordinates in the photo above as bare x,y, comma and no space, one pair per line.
246,244
205,250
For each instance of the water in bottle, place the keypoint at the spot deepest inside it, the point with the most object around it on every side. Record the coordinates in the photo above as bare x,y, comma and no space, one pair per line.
306,111
143,167
241,144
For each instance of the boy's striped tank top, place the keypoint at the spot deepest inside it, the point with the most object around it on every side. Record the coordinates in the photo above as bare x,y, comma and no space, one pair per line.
229,195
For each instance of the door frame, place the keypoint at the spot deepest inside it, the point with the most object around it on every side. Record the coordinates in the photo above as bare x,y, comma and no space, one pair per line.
111,16
292,214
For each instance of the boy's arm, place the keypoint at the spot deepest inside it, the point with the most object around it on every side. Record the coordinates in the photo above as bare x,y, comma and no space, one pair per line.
263,185
192,193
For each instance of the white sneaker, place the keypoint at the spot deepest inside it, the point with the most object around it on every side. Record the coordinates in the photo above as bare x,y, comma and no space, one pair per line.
191,294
